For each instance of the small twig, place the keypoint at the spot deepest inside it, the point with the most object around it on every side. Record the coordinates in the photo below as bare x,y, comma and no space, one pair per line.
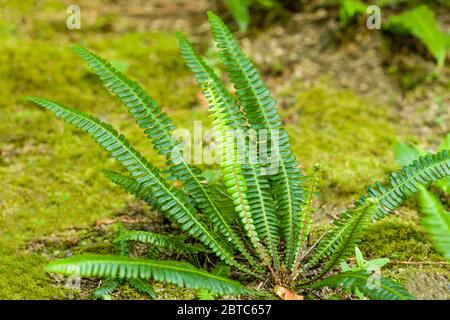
309,250
298,256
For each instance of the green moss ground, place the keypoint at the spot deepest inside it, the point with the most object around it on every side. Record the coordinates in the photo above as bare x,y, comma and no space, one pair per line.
50,174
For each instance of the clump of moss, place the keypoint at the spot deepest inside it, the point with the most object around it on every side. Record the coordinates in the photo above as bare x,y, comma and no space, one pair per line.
22,276
400,240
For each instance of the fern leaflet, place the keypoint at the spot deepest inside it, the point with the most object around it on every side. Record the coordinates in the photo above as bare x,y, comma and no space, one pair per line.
436,220
175,272
371,286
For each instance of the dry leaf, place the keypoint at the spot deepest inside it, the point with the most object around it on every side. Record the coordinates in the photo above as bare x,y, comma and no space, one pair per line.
286,294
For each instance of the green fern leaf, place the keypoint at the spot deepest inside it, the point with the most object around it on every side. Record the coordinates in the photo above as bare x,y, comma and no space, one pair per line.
204,294
422,24
232,169
220,270
258,189
222,200
142,286
175,272
405,182
172,202
444,184
346,233
132,186
366,283
106,288
160,240
436,220
260,109
158,127
157,124
305,221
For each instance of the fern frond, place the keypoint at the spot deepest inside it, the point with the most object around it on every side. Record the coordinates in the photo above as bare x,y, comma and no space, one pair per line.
368,284
258,188
305,223
436,220
172,202
405,182
130,185
175,272
222,200
157,124
232,169
341,240
220,270
158,127
142,286
107,287
160,240
261,112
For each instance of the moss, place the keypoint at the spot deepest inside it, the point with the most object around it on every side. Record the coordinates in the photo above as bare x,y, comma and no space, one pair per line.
53,172
351,137
22,276
414,262
400,240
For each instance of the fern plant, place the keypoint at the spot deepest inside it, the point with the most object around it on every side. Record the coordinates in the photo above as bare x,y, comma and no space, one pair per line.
434,217
240,10
421,23
269,235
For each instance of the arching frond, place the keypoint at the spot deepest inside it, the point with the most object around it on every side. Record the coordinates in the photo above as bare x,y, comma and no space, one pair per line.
175,272
160,240
172,202
260,109
157,124
341,240
371,285
158,127
142,286
232,169
258,189
107,287
131,185
436,220
403,183
305,221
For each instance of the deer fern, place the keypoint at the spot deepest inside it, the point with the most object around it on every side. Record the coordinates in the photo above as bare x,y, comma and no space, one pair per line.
269,233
